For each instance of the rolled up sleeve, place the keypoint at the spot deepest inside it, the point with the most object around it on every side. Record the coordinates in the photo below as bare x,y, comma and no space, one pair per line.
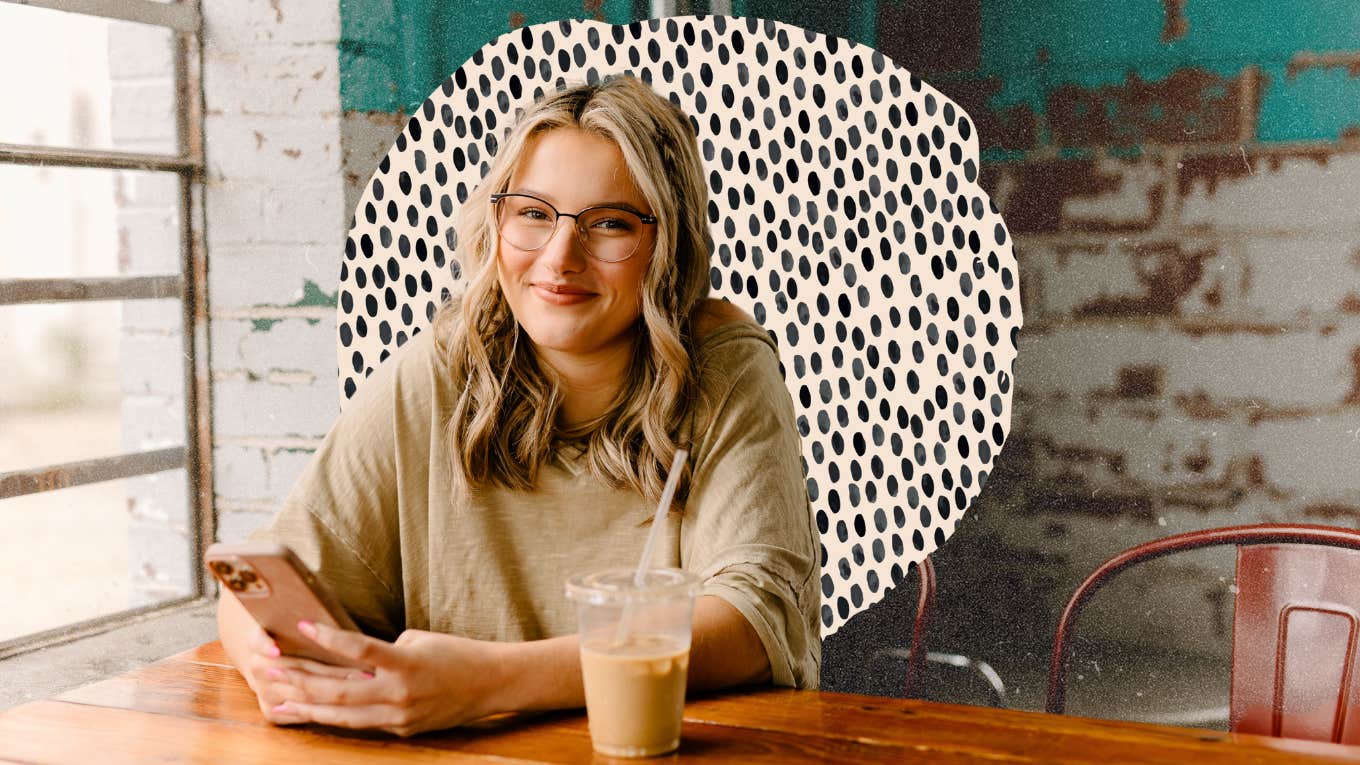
747,531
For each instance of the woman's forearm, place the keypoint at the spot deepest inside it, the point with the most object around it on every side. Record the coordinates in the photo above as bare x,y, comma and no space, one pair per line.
546,674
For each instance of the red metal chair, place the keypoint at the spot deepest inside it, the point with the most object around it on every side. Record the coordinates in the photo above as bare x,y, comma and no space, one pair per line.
1295,627
925,603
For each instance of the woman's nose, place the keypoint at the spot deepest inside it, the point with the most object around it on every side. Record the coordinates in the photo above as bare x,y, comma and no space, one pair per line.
564,251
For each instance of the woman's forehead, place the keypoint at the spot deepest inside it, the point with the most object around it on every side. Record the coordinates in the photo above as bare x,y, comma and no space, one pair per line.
571,167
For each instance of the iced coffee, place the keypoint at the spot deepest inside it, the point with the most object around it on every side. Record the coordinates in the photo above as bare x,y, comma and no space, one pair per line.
634,658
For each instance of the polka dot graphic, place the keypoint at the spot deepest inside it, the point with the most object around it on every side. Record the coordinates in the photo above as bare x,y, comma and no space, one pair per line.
846,217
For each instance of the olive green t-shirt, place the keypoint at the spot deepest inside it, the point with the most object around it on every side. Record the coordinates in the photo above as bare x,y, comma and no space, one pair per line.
377,515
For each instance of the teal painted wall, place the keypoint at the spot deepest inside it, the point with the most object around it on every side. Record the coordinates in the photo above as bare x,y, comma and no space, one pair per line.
395,52
1095,43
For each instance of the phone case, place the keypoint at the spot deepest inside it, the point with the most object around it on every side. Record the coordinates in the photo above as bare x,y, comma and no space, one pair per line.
278,590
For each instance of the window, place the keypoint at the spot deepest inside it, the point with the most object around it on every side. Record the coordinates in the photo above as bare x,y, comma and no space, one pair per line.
105,483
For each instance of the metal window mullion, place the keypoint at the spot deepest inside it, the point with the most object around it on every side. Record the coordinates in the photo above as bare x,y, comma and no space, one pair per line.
18,483
181,16
188,64
22,154
62,290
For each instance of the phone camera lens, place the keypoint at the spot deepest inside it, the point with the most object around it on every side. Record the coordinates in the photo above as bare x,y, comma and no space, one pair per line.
223,568
236,584
248,576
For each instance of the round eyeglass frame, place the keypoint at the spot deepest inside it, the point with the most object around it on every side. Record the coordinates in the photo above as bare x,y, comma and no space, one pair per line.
646,220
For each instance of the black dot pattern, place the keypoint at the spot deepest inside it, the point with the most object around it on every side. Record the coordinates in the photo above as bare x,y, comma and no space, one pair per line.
846,217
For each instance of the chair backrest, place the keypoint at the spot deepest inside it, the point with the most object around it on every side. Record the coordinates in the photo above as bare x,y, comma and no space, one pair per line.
1295,627
846,217
925,604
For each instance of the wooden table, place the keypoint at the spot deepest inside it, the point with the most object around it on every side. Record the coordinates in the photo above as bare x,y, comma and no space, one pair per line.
193,707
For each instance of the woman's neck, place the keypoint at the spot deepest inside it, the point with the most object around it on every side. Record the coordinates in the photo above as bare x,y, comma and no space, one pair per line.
588,382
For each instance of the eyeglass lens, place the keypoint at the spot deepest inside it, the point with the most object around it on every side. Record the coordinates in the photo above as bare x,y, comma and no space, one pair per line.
609,234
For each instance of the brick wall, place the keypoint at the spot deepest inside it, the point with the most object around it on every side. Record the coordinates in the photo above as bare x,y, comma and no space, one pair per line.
1182,189
276,220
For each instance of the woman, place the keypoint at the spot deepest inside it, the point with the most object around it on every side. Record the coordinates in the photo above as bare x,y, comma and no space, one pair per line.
526,438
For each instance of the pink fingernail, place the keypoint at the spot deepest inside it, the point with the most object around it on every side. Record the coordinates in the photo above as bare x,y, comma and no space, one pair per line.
274,650
274,673
307,628
282,709
366,675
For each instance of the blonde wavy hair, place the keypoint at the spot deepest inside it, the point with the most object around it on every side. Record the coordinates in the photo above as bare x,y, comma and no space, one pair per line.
503,426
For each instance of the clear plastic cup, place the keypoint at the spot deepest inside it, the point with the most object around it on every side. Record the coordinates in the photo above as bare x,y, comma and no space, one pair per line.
634,657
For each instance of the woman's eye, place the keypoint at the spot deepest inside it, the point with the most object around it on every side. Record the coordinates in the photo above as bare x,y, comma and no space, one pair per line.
612,224
534,214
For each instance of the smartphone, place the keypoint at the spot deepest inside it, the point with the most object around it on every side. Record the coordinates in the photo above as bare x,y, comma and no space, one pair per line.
278,590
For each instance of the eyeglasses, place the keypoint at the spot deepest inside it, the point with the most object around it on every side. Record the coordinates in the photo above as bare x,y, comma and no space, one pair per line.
609,234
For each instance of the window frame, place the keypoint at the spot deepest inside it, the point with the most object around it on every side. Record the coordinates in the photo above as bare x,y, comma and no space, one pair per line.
185,20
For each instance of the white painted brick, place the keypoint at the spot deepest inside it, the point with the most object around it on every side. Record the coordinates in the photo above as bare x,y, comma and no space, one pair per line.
235,24
149,242
1300,277
236,525
243,408
151,364
153,317
308,213
1287,369
144,110
159,500
1154,452
140,51
1302,194
153,422
1317,458
284,150
270,274
160,562
301,80
140,190
1079,359
288,346
285,465
233,213
240,473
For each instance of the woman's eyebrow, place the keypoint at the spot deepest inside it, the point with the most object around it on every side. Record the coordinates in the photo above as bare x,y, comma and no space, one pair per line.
548,198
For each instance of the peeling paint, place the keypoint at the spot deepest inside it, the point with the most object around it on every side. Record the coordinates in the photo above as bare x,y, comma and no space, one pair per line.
1354,396
1041,187
1332,511
312,295
1134,382
1189,105
1175,26
1168,273
1306,60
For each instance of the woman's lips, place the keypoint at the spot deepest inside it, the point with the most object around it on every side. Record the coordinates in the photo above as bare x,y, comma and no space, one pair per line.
561,294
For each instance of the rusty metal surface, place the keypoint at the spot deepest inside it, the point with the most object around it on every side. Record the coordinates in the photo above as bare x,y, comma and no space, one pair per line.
112,160
16,291
182,16
17,483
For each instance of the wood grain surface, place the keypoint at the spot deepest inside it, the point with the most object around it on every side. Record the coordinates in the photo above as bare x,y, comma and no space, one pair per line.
194,707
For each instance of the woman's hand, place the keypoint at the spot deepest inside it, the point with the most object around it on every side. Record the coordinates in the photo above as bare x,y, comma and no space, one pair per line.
264,669
424,681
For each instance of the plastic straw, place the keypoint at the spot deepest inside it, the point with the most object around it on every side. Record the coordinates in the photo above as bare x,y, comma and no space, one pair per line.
677,465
